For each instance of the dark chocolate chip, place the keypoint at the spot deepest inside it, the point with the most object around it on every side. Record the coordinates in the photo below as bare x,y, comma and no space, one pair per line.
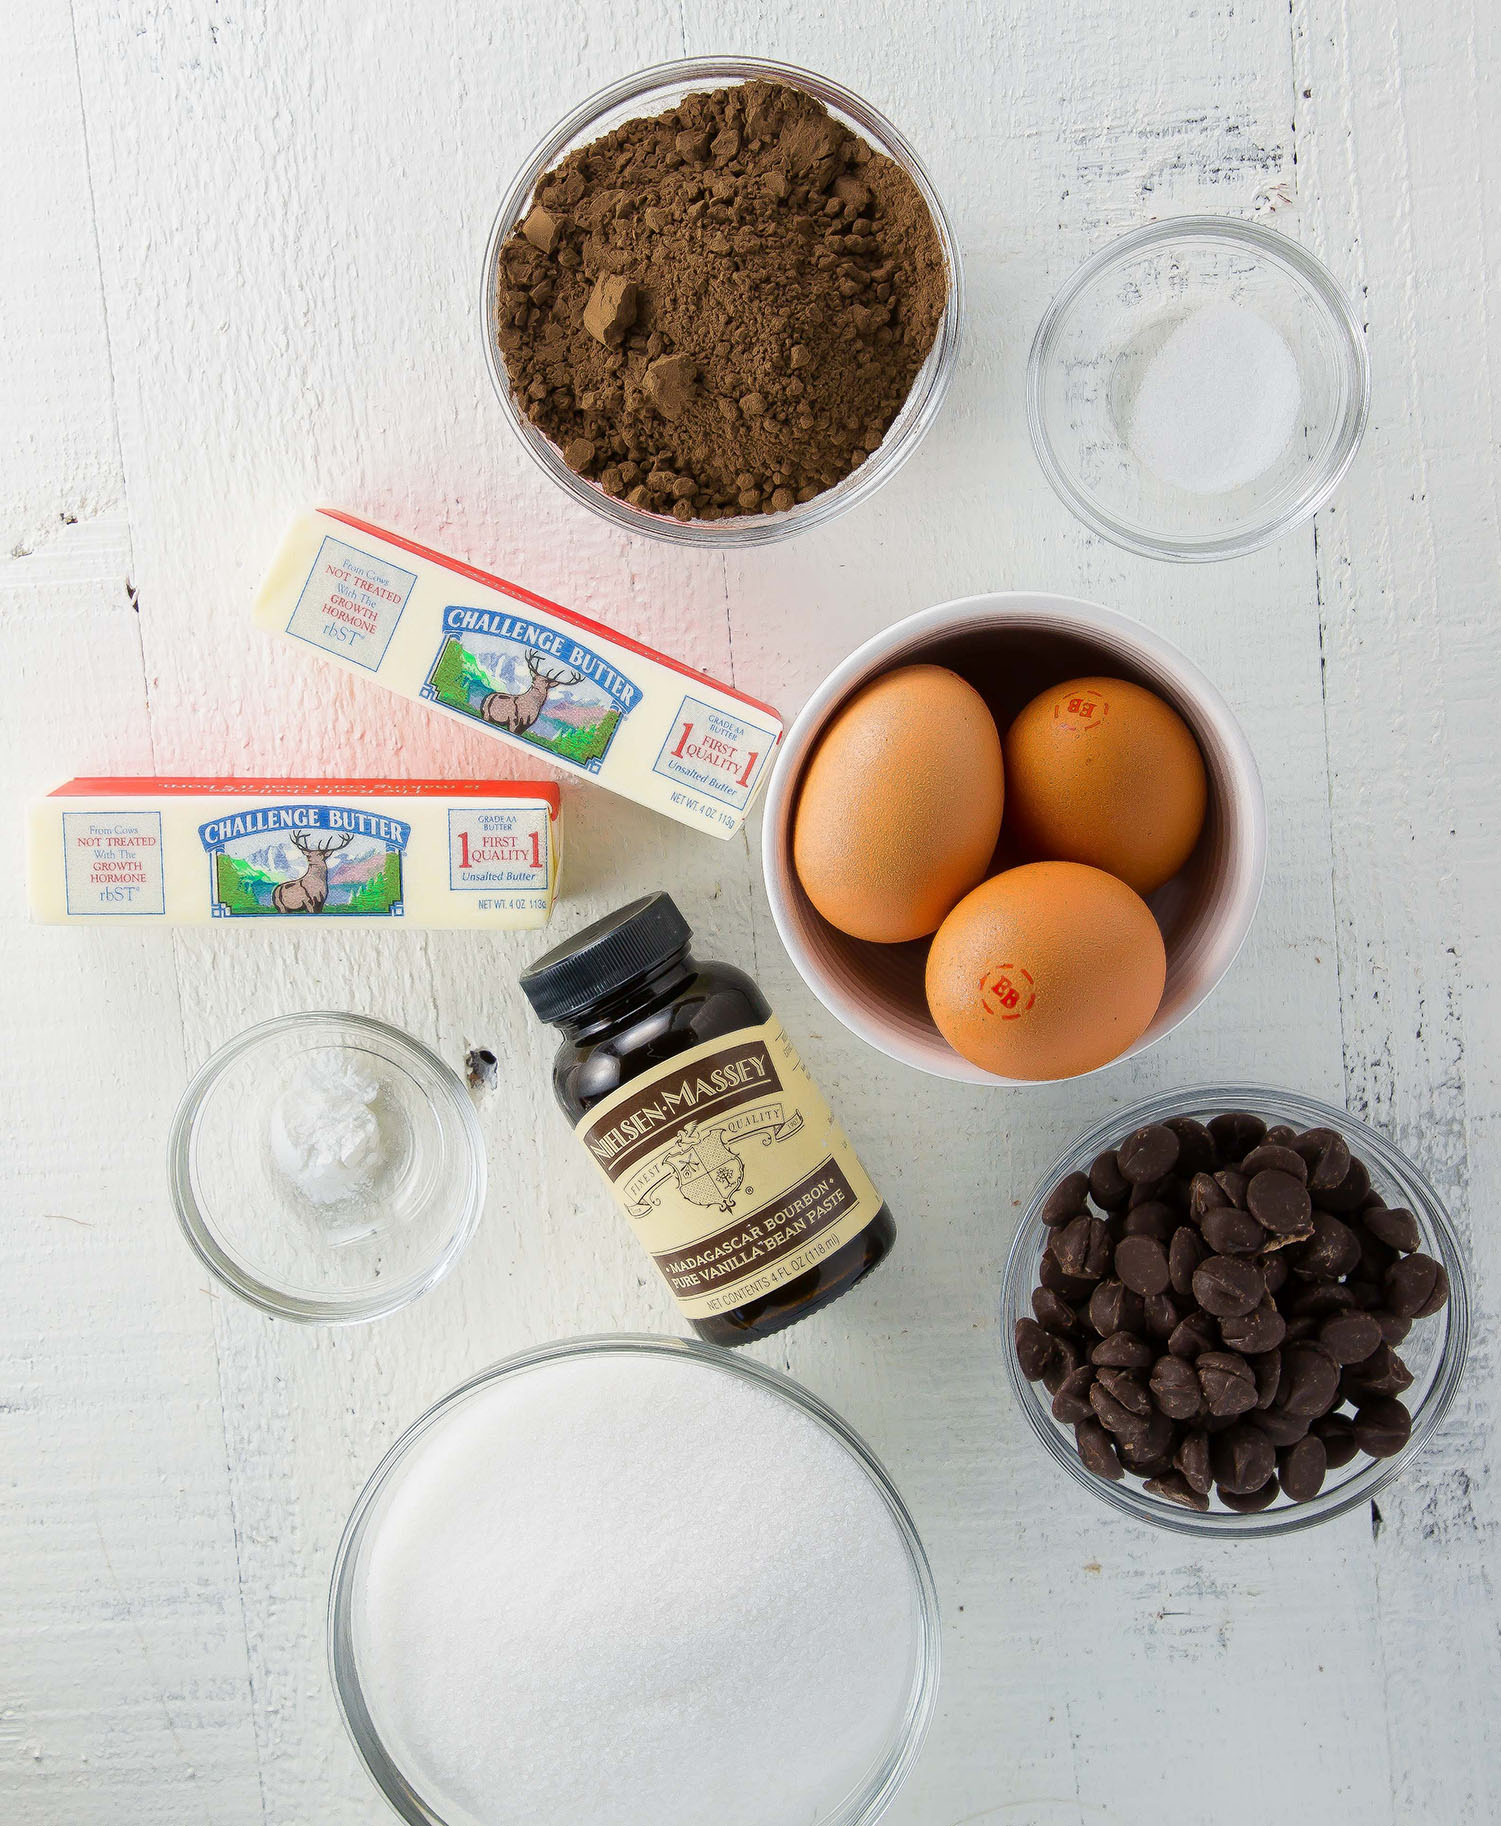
1083,1248
1196,1149
1320,1300
1382,1373
1184,1253
1122,1350
1141,1262
1256,1500
1351,1192
1034,1349
1275,1269
1266,1367
1332,1250
1205,1194
1233,1184
1192,1459
1192,1336
1302,1468
1231,1232
1228,1286
1310,1381
1148,1154
1282,1428
1280,1203
1350,1337
1338,1434
1262,1329
1097,1450
1068,1354
1162,1314
1112,1414
1066,1200
1152,1219
1150,1191
1382,1426
1271,1158
1128,1389
1113,1307
1227,1383
1174,1487
1236,1133
1393,1328
1052,1313
1071,1403
1149,1451
1176,1388
1398,1229
1067,1286
1108,1186
1415,1287
1243,1459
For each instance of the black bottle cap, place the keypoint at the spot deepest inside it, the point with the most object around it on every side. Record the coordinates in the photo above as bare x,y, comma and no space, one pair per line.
626,944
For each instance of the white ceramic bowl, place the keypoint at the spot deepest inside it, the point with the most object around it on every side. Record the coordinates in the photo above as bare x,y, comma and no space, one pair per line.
1010,646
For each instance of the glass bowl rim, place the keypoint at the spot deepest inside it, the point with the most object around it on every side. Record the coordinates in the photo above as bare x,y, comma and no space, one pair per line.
888,1777
918,411
1130,1499
201,1236
1315,278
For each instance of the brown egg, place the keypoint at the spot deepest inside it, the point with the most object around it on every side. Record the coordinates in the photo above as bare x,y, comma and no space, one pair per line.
900,805
1046,971
1101,771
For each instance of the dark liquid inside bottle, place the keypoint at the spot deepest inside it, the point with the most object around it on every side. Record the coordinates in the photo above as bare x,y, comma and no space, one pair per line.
633,1032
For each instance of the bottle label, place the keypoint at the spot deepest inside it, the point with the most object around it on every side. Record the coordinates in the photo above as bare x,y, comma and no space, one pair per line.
731,1168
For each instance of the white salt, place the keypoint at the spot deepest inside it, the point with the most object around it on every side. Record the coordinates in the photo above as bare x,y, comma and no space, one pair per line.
635,1591
1218,402
325,1129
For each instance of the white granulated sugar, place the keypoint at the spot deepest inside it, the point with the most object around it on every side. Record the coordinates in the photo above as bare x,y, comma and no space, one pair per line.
1218,402
632,1591
325,1130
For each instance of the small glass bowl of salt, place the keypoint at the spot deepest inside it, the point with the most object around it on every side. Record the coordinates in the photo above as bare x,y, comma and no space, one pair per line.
1198,388
326,1167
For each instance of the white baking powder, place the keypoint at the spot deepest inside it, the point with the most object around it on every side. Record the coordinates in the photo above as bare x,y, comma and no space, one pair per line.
1218,402
325,1129
629,1590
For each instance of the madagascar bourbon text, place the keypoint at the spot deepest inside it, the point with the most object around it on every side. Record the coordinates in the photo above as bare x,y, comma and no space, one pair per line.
731,1168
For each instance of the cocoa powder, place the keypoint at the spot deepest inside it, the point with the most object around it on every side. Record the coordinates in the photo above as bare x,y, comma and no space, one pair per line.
720,310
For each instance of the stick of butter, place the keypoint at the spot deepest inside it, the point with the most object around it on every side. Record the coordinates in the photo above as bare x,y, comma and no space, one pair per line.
429,852
521,668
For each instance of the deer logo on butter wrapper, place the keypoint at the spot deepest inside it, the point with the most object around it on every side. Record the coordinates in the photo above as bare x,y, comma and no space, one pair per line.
531,680
286,859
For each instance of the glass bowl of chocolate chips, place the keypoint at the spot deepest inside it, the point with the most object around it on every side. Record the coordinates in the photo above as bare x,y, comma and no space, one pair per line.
1235,1311
721,302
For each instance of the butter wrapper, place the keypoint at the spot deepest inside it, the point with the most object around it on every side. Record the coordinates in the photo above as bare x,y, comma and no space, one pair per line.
186,852
526,671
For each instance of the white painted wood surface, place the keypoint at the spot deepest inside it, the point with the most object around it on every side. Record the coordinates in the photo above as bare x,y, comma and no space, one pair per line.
241,269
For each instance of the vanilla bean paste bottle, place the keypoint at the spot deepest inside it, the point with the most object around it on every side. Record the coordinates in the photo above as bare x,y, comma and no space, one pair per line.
684,1089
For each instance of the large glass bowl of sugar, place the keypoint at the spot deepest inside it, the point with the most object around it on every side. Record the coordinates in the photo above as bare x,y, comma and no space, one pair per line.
627,1581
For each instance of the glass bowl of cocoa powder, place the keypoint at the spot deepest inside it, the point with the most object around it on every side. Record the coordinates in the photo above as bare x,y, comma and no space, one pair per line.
722,301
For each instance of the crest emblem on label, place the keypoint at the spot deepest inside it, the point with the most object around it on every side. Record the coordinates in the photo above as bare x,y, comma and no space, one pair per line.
531,680
334,860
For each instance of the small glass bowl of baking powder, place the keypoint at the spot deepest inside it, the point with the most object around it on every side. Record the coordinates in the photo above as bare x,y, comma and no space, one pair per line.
327,1168
1198,388
654,91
